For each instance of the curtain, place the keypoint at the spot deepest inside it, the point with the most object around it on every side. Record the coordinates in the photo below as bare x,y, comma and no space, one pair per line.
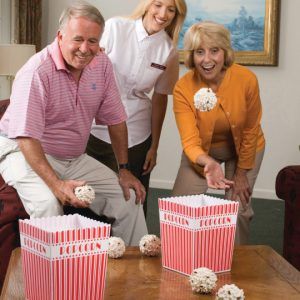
27,16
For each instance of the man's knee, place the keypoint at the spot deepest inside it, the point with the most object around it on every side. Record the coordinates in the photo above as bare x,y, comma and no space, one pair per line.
127,208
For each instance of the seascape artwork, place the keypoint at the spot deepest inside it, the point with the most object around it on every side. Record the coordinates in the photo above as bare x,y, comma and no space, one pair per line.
244,18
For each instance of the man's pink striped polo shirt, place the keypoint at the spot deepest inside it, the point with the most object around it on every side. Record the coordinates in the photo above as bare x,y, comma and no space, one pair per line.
47,104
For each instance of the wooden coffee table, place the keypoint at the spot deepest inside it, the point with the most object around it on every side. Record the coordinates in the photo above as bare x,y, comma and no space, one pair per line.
258,270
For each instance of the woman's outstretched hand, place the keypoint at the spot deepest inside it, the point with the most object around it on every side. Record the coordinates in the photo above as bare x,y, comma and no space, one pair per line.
213,173
215,177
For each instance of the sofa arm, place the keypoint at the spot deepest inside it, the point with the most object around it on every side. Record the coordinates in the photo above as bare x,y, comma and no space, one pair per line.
11,210
288,189
288,183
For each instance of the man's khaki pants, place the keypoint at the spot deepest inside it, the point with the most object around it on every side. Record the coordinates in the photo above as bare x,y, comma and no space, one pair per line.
39,201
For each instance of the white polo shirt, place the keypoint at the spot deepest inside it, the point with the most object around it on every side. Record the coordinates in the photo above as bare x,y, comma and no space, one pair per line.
141,62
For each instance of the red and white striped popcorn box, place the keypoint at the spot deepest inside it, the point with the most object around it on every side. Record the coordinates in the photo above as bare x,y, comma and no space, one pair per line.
197,231
64,257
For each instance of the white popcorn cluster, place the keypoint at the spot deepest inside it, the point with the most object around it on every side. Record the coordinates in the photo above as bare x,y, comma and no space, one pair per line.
205,99
203,280
150,245
85,193
116,247
230,292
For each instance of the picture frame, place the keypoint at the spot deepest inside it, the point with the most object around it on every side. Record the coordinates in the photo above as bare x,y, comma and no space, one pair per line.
257,45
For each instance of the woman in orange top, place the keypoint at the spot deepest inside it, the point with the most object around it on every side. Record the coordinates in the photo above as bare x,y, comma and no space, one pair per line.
218,111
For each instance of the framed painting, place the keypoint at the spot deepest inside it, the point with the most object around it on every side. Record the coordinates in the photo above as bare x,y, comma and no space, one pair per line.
254,27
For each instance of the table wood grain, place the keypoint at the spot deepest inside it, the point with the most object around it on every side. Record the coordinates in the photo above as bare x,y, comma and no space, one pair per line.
258,270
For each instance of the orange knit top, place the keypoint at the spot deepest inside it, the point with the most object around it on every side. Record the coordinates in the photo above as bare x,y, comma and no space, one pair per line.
238,97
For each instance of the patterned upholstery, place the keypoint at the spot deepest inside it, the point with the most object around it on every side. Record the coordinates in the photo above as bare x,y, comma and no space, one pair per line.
288,189
11,210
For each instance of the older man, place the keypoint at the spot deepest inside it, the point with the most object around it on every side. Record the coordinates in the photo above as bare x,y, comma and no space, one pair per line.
55,97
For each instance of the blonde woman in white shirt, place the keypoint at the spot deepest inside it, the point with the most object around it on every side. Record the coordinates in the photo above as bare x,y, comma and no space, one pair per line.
143,51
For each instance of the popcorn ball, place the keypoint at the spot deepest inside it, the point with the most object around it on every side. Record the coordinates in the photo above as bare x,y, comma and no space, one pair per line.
203,280
230,292
116,247
85,193
205,99
150,245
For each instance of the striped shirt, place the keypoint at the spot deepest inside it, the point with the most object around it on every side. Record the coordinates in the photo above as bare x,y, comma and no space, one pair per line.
48,105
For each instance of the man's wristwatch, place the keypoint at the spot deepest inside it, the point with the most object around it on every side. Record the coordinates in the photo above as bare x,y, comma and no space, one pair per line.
124,166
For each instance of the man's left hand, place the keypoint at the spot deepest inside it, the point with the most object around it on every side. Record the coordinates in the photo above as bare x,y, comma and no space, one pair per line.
128,181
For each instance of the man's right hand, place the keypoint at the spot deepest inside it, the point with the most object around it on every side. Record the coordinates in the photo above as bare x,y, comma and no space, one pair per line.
64,192
62,189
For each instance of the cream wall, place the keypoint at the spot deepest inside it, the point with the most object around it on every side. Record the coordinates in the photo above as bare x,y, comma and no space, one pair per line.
280,96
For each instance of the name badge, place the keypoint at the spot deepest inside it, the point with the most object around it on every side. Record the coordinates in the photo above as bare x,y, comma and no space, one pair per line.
157,66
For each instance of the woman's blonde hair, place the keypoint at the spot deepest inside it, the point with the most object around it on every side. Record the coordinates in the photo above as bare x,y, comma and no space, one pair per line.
174,28
213,35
